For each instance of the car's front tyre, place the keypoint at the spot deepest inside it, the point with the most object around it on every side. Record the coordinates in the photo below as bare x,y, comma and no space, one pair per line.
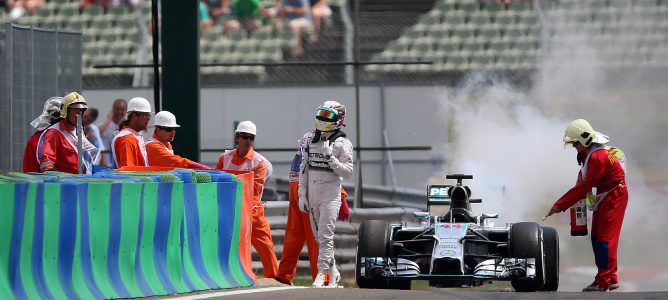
526,241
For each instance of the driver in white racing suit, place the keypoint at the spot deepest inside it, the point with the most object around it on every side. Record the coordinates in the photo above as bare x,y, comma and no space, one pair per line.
328,158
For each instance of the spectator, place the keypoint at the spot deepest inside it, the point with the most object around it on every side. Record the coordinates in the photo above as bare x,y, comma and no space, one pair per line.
319,10
219,10
4,7
296,14
131,4
21,8
109,127
93,133
205,21
247,13
105,4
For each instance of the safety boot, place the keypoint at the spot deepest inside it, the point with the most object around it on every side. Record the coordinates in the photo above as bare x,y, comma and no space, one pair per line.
319,280
594,287
334,277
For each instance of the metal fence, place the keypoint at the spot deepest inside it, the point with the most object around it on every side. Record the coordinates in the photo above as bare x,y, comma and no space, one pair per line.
36,64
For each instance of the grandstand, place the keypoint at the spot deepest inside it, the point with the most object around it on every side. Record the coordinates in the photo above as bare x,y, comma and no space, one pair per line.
457,36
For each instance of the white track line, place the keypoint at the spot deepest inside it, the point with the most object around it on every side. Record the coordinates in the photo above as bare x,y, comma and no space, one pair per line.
238,292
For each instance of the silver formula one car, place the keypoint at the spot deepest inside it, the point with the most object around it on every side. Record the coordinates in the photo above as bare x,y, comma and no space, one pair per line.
453,248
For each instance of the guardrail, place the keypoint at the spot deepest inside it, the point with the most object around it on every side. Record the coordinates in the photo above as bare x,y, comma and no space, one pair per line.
277,189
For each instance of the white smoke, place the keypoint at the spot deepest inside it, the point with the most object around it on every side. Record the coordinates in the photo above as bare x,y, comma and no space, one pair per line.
509,138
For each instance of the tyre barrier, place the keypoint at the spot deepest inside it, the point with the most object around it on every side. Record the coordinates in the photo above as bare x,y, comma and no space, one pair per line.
123,234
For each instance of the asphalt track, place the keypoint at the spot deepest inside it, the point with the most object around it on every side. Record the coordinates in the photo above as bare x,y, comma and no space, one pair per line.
269,289
292,293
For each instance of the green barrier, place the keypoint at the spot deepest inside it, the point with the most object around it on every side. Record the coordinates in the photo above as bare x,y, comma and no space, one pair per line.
100,238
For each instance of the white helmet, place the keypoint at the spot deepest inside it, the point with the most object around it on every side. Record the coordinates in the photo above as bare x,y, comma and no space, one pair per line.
50,113
165,119
330,116
139,104
580,131
247,127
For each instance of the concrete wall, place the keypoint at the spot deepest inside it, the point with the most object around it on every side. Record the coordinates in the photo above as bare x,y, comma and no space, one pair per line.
412,116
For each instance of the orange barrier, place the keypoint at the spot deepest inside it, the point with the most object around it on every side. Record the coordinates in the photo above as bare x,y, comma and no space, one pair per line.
246,219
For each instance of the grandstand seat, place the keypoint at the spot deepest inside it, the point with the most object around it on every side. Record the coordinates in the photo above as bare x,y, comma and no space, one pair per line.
51,23
117,11
126,22
421,49
221,47
100,24
74,24
457,62
430,19
236,34
620,4
464,32
109,38
287,38
472,46
488,33
438,33
529,19
494,7
67,13
118,50
245,48
44,12
525,45
479,19
263,33
499,45
271,53
211,35
454,19
91,13
468,7
208,58
481,61
397,47
520,6
444,7
448,47
506,61
514,33
93,50
505,19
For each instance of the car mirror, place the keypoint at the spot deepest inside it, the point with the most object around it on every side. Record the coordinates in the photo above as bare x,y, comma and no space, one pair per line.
490,216
421,214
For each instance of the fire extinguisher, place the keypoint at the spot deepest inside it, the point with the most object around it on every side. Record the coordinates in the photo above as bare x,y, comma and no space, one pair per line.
579,218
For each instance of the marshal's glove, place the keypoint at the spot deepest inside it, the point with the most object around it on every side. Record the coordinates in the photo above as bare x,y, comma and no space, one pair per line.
303,202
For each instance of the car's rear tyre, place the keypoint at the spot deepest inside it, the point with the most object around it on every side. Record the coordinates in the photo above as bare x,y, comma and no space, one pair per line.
526,241
373,241
551,258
